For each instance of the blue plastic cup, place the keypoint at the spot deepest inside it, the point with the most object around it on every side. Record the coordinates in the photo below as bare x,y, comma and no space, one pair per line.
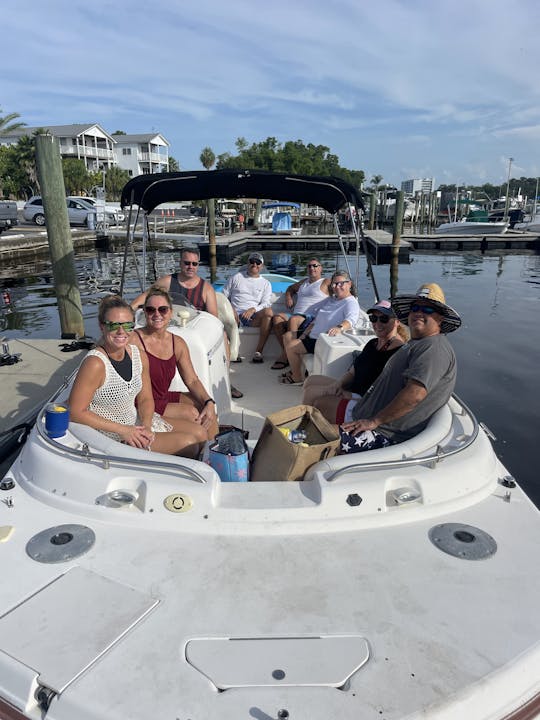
56,420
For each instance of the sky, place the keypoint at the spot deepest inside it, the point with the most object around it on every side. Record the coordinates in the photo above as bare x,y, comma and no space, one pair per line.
402,89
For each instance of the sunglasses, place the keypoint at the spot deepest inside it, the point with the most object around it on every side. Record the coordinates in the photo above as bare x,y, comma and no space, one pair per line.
162,309
114,326
340,283
426,309
313,266
255,262
378,318
190,262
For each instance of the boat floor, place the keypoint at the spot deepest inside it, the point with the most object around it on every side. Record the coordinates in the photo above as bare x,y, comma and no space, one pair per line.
263,393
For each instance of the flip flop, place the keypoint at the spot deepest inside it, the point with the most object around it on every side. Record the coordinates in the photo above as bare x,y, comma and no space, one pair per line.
235,392
288,380
279,365
257,358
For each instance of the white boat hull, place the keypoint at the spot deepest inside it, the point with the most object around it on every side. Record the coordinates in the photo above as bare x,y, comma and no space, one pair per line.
472,228
319,599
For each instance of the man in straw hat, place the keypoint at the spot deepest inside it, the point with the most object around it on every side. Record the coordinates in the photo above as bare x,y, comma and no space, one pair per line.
417,380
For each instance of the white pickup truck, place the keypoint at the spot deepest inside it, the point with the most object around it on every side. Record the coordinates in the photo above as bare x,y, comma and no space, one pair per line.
8,214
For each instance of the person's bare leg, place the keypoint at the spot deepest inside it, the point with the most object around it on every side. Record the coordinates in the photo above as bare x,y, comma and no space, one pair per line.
263,320
294,349
187,442
315,386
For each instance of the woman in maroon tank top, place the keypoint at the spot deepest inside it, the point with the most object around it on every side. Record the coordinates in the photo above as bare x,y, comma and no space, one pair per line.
166,353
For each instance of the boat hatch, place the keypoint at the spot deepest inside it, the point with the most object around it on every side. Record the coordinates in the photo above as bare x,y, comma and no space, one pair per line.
327,661
61,630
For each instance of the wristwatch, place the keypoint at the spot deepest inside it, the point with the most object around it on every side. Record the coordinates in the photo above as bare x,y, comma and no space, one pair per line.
210,400
340,326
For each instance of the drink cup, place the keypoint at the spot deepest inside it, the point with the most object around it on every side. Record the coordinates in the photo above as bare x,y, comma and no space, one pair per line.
56,420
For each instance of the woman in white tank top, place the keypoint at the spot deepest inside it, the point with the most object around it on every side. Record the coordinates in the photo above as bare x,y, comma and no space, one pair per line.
112,391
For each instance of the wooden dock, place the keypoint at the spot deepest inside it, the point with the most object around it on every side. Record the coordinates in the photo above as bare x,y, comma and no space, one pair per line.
29,383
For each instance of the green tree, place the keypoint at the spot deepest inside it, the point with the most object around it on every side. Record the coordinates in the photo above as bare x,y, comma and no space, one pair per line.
77,179
7,124
174,165
115,179
293,156
118,132
207,158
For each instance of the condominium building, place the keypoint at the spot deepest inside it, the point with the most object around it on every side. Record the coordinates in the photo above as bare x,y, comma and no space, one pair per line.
424,185
138,154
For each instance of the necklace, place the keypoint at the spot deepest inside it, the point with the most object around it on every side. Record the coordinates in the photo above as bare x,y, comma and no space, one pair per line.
386,345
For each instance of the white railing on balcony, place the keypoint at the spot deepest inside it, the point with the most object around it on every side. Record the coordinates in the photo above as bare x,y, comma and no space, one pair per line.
151,157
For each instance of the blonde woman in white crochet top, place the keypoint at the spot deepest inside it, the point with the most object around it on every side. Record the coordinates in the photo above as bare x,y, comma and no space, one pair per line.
109,381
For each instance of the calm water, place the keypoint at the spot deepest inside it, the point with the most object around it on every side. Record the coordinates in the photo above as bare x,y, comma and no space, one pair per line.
498,346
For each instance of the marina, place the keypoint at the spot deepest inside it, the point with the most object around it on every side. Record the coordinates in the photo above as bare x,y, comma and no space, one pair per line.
347,604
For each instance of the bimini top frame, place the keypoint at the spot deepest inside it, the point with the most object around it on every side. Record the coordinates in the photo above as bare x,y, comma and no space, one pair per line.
149,191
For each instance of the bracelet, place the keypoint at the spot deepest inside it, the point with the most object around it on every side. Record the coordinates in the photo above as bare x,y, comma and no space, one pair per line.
205,403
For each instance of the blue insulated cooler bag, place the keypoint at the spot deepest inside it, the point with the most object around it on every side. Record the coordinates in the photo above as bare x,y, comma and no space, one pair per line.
229,456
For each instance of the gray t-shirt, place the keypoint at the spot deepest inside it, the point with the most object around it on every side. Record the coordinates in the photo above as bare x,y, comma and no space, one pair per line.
431,362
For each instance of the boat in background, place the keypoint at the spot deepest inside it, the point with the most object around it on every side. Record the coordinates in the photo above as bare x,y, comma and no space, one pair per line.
472,227
531,223
398,583
277,218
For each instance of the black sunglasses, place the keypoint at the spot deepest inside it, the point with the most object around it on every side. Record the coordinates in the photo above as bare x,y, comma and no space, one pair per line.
426,309
254,262
378,318
313,266
162,309
190,262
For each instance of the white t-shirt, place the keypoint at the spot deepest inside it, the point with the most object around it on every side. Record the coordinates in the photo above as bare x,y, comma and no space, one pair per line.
332,312
245,291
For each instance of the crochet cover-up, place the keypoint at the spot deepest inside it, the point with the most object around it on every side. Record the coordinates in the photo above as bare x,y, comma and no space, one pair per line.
115,399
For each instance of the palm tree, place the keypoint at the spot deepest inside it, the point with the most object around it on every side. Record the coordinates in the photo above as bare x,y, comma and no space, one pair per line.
208,158
7,125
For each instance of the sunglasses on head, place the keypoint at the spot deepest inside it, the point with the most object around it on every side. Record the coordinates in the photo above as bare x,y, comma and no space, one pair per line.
190,262
313,265
114,326
340,283
378,318
426,309
162,309
252,261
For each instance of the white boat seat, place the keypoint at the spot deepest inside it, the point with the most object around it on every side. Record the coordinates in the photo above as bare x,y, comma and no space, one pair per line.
437,430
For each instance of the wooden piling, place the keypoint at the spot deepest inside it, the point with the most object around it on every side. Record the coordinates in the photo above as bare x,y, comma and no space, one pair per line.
212,253
51,181
372,210
396,238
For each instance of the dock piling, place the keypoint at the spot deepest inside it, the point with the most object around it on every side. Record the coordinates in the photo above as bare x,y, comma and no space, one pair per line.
51,181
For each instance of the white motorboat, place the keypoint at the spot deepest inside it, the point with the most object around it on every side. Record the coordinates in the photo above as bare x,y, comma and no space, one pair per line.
472,227
398,583
531,223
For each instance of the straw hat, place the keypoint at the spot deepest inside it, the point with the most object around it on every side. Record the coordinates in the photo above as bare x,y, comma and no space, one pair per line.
431,294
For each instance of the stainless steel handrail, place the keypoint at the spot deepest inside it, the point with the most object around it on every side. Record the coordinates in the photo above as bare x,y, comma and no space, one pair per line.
426,459
107,460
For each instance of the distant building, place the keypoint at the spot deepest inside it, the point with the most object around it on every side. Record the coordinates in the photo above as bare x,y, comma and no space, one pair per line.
142,154
138,154
425,185
90,143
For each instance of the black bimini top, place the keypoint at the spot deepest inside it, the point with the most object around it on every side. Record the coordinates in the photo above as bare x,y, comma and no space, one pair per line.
149,191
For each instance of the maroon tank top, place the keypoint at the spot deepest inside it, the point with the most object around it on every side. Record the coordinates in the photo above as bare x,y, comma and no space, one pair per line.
194,295
161,374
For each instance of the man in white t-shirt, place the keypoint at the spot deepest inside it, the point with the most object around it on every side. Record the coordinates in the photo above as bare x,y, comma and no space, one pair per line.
300,297
251,296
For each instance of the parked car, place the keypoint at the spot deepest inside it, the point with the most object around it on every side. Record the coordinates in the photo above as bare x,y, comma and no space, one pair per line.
78,211
113,214
8,214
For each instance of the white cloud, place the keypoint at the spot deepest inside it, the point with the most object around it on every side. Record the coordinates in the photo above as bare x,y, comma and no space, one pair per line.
448,79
